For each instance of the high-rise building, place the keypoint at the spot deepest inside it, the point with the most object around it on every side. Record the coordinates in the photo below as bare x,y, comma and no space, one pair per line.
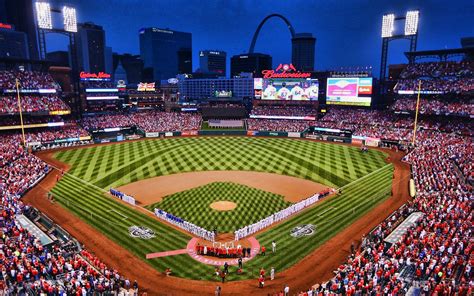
13,44
108,60
250,63
205,88
91,49
20,14
302,53
58,58
132,64
167,52
213,61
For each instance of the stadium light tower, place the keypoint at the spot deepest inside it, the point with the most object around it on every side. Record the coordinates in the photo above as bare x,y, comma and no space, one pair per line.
44,25
388,21
389,33
70,20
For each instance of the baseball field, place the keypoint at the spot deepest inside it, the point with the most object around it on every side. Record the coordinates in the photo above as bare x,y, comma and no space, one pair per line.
365,179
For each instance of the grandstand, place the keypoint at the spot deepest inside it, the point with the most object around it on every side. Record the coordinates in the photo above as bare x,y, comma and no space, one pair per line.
391,207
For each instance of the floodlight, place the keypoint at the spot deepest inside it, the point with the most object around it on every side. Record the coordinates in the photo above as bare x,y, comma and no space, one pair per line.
43,15
70,20
388,25
411,22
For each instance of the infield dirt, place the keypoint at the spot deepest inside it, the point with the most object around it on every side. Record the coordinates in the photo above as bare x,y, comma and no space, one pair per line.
152,190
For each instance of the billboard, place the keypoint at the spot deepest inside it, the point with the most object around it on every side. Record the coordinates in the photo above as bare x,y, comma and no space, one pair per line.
285,83
355,91
286,89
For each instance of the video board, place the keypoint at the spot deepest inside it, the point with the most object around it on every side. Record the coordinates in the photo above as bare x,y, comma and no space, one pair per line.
353,91
286,89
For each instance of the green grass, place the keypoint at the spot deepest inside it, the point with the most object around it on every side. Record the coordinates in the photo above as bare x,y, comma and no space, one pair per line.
252,205
205,127
95,169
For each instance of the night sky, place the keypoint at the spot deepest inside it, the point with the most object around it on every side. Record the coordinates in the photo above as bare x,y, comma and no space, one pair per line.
347,31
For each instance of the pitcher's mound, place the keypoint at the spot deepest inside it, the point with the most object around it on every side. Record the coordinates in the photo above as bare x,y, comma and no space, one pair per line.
223,205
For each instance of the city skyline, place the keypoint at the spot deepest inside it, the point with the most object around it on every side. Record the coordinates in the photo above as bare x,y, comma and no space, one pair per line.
229,26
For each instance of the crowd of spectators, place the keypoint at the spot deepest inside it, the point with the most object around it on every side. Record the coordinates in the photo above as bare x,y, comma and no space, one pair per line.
300,111
434,256
32,103
18,168
456,85
148,121
27,266
55,133
434,106
28,80
439,69
278,125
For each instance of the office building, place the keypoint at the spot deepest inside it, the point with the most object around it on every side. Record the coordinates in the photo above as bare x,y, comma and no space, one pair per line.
202,89
20,14
302,51
213,61
250,63
91,49
58,58
132,64
13,44
167,52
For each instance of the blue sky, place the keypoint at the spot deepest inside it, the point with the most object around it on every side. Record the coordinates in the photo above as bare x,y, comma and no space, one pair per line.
347,31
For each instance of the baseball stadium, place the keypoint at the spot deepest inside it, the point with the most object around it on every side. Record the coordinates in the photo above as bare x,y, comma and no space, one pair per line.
285,180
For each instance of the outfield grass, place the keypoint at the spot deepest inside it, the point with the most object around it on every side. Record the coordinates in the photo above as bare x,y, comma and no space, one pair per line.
95,169
252,205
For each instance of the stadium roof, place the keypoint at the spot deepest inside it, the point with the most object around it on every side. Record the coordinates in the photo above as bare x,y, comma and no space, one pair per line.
442,54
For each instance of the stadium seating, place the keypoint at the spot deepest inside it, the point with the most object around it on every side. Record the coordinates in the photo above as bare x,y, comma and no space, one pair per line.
151,121
28,80
278,125
300,111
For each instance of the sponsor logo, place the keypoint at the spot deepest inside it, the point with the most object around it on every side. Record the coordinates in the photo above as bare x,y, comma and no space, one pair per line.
100,75
303,230
141,232
172,81
365,90
285,71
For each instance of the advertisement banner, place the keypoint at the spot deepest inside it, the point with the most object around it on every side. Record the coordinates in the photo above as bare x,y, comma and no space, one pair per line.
168,134
189,133
152,135
294,135
372,142
342,87
313,118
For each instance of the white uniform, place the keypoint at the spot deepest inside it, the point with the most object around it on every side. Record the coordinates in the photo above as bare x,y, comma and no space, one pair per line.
312,92
269,93
283,93
297,93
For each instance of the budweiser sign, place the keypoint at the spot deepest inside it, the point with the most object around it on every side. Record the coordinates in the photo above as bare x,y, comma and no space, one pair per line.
100,75
285,71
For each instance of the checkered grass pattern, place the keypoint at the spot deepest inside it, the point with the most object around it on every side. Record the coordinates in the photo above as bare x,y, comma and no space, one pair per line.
193,205
130,161
115,165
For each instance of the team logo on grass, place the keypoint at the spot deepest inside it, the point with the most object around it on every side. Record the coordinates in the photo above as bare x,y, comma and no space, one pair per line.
141,232
303,230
